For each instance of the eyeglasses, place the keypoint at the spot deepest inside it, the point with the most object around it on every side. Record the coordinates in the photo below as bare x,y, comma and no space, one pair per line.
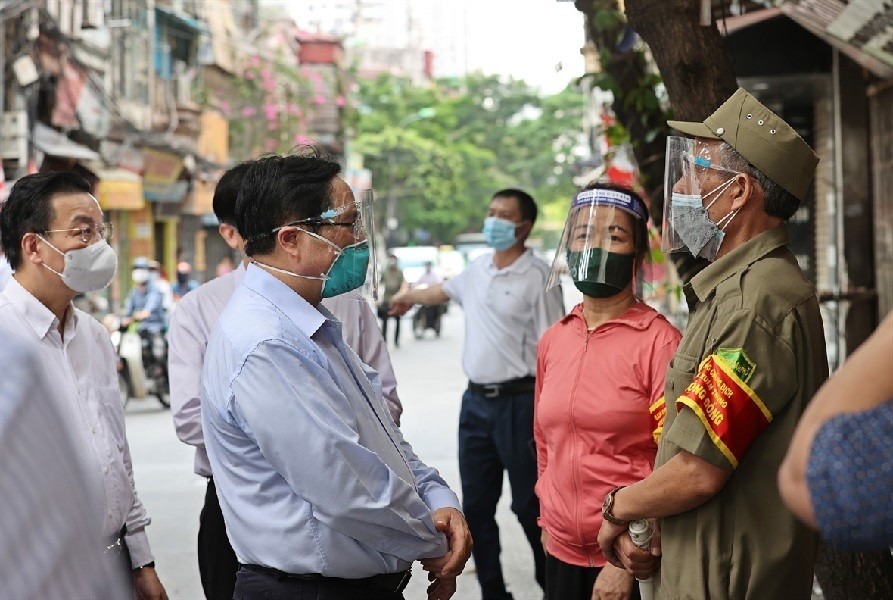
88,233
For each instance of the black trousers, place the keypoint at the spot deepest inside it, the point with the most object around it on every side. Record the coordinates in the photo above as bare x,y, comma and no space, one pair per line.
384,328
496,435
217,562
570,582
252,585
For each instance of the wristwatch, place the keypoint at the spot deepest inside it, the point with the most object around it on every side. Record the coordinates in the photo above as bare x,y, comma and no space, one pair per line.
608,505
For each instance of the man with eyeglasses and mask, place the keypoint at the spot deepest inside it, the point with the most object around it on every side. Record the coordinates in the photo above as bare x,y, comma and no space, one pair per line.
53,233
507,309
752,356
191,326
321,495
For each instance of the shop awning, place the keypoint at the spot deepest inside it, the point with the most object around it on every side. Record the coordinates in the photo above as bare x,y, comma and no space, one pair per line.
119,190
857,29
51,142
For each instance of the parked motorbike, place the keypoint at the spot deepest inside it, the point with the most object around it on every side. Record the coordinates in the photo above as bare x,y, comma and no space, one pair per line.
427,317
142,362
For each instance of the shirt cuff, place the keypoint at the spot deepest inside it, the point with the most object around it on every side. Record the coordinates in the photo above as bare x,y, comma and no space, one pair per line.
441,497
138,546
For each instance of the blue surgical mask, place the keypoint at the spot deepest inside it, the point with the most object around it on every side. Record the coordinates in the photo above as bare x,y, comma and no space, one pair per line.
348,272
693,225
499,233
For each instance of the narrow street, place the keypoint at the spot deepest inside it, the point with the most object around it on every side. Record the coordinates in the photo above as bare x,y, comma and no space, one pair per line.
430,385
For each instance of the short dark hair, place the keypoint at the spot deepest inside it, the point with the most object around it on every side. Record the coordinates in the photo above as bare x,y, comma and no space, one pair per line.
227,191
526,204
279,189
29,208
778,202
640,232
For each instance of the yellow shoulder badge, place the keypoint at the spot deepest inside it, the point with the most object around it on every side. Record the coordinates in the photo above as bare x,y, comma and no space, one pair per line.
738,362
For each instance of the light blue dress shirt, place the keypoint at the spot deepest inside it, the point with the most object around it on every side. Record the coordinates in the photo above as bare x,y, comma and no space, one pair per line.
312,474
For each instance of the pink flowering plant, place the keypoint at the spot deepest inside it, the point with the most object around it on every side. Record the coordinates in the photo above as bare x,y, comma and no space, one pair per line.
266,105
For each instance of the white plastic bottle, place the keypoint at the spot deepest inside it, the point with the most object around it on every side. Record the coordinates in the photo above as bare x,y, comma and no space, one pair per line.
641,531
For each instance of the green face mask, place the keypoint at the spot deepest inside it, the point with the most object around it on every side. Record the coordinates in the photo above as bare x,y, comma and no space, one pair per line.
601,281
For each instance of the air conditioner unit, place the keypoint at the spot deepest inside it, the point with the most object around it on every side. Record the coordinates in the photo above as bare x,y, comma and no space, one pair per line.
14,136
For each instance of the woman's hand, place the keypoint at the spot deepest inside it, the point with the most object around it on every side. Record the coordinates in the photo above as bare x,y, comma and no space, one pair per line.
612,584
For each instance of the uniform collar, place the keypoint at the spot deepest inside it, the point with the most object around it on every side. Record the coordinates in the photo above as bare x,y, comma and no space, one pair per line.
738,260
36,314
303,314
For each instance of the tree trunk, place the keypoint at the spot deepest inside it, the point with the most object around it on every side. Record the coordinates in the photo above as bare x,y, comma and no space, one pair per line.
846,575
628,70
691,58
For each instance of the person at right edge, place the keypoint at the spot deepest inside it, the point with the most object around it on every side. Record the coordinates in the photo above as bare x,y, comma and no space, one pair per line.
506,313
751,357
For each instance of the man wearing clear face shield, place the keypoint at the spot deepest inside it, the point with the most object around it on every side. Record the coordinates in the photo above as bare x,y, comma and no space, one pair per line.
751,357
599,389
321,494
188,334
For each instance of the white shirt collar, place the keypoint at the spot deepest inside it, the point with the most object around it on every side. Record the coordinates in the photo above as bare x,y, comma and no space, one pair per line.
40,318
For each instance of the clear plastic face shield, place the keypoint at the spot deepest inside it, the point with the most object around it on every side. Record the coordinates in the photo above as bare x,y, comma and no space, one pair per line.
349,247
604,245
692,183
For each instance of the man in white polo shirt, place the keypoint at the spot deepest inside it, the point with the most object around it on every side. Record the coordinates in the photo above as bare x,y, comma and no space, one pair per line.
506,312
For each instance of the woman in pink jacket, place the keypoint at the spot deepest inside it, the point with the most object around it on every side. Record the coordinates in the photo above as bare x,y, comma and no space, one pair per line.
599,389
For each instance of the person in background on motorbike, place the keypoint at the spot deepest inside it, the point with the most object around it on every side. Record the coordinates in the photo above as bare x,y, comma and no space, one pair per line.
430,314
53,232
429,277
145,302
158,279
185,283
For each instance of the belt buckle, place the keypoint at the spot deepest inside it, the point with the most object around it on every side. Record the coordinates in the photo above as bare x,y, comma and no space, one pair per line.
491,390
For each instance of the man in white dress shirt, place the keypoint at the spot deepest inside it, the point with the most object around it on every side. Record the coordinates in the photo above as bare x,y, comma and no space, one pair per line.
55,239
191,326
51,522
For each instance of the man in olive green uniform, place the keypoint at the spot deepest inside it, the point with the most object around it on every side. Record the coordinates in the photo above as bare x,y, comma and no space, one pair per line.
752,356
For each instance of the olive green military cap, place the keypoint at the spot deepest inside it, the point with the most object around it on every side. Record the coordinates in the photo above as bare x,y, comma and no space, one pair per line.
762,137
